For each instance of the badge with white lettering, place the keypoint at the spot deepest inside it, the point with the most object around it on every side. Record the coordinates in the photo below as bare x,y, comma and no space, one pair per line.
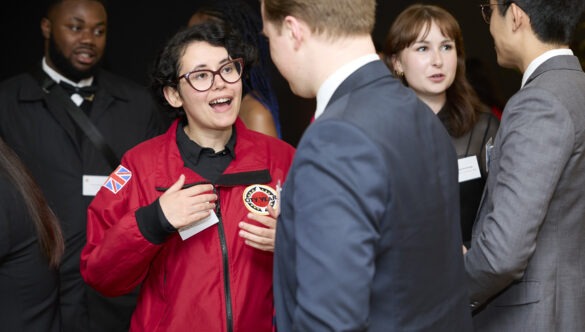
258,197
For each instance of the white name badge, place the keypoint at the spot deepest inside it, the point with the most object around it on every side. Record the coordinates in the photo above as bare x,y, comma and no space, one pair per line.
196,227
92,183
468,169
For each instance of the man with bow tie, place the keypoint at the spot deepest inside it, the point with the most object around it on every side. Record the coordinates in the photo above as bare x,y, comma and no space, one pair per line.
62,158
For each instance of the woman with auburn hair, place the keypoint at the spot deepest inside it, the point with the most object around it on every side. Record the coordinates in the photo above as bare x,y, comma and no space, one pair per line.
31,246
424,49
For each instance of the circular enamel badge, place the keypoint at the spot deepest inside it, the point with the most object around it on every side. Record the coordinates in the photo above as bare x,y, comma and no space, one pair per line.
258,197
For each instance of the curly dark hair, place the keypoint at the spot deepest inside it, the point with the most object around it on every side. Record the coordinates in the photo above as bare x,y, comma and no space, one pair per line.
166,67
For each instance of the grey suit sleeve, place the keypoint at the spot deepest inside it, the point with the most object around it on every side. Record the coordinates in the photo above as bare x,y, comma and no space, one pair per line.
531,149
345,192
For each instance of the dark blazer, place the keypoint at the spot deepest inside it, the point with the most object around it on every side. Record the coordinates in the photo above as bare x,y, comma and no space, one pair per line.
58,155
526,265
368,237
29,298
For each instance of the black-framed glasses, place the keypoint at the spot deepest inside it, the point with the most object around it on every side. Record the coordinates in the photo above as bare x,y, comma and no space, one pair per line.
202,79
486,9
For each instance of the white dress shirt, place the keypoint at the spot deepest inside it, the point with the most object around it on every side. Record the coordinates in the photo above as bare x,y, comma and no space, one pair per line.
334,80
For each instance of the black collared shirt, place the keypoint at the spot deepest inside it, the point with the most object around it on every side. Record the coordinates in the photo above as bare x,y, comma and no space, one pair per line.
205,161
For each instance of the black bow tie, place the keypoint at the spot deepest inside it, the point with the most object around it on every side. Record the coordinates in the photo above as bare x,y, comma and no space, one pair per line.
87,92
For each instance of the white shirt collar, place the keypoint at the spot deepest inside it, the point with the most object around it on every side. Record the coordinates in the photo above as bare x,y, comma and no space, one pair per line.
334,80
58,77
540,60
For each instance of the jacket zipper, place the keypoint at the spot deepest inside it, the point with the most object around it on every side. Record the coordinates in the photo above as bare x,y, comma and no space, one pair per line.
226,274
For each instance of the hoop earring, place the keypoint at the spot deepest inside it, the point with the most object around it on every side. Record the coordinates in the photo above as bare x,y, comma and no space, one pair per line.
400,74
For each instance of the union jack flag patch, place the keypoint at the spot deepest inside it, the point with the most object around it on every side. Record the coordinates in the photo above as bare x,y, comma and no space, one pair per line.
118,179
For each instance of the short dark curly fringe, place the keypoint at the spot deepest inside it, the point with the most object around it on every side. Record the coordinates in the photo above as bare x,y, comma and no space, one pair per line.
166,67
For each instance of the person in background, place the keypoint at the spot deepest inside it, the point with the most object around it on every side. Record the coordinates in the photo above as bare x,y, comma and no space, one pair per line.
31,247
190,210
66,163
424,48
368,237
526,260
259,109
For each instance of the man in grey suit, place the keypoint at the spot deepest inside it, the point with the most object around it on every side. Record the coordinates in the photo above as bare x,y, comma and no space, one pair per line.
368,236
526,264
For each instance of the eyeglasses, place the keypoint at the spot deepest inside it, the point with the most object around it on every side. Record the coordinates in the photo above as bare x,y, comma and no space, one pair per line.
202,79
486,9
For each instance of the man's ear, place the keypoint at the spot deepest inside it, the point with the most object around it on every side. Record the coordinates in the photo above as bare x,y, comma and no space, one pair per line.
172,96
46,28
295,30
519,17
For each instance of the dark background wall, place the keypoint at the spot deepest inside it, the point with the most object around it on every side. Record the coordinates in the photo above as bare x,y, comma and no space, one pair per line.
137,30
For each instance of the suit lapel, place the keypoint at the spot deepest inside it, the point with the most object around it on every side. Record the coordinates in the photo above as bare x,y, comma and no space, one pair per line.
104,97
101,103
57,110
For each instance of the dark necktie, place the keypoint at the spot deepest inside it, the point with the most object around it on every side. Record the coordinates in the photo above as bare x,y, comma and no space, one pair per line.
86,92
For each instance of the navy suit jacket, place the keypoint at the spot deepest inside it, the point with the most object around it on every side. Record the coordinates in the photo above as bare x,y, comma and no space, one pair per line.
368,236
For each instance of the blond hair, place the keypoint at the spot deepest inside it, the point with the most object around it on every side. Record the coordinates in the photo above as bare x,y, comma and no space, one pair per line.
333,18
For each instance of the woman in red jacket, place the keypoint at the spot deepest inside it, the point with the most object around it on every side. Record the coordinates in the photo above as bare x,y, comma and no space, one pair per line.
188,215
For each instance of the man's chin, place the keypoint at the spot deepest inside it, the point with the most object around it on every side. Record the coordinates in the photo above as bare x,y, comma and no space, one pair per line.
303,93
69,67
77,72
85,72
504,63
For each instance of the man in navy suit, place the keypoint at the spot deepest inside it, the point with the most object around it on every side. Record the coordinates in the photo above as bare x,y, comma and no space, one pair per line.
368,236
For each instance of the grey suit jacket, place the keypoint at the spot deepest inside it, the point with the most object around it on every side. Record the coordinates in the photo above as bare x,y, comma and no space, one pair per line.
368,237
526,265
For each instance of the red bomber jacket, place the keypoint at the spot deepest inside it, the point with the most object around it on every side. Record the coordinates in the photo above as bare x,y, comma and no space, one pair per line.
211,281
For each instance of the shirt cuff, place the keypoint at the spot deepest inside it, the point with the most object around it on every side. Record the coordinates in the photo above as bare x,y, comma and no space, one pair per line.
153,224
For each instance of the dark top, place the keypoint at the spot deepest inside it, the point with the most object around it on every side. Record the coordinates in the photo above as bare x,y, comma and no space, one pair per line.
205,161
473,144
28,287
